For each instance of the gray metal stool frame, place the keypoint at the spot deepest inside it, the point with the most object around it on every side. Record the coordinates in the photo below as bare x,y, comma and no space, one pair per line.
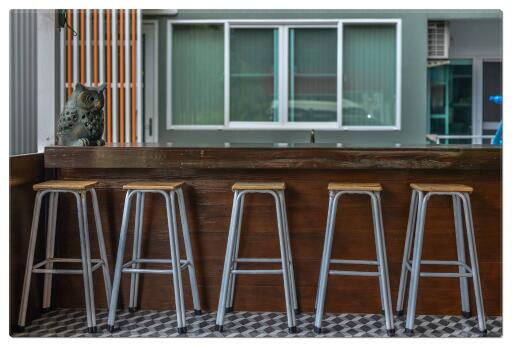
381,262
419,202
177,265
46,266
231,260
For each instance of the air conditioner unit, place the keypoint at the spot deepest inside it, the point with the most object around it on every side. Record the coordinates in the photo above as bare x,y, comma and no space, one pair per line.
438,39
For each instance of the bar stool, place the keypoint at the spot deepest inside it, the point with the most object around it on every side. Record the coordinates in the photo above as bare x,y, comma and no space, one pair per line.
421,194
79,189
276,189
336,190
169,190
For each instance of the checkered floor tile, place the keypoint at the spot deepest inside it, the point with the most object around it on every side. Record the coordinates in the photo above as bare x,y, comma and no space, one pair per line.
146,323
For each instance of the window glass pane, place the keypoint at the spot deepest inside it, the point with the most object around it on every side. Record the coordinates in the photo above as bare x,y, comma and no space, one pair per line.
312,81
198,74
254,75
369,74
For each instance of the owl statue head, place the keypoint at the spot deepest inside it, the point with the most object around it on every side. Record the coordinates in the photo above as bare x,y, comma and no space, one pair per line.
89,98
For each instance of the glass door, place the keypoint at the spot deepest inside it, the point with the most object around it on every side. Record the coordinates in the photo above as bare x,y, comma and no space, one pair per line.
450,99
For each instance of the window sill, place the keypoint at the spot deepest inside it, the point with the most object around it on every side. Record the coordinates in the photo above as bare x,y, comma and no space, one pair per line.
279,126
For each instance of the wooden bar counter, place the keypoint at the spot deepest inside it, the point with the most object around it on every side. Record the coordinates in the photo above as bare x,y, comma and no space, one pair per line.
210,171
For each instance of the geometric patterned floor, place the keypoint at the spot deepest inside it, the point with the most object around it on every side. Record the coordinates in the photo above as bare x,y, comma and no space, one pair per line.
150,323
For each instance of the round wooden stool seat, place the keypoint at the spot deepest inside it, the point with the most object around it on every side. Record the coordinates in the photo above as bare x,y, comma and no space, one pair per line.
64,185
442,188
153,185
258,186
371,187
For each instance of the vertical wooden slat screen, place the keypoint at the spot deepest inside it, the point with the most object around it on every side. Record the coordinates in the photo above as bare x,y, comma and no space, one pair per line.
121,76
115,118
134,122
107,49
127,81
109,88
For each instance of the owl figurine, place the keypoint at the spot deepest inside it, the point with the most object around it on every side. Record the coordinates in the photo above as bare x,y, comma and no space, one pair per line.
82,121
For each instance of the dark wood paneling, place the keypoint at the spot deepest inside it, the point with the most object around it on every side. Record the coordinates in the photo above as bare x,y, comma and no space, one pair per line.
25,170
150,156
209,201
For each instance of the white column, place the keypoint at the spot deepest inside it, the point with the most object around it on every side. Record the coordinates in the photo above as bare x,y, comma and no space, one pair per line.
88,44
46,79
115,114
76,77
138,72
101,44
127,72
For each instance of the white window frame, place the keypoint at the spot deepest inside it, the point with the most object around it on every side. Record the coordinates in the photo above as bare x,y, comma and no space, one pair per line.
478,123
283,27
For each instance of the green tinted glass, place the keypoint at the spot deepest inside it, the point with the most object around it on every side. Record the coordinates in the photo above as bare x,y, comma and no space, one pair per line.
254,75
198,74
312,75
369,74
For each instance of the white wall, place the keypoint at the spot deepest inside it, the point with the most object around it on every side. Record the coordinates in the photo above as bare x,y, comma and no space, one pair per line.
476,38
32,80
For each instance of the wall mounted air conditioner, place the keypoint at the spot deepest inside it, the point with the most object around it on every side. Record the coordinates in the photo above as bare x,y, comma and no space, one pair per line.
438,39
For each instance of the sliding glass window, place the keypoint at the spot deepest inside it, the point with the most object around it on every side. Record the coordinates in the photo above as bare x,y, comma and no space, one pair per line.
312,75
369,75
253,75
322,74
197,74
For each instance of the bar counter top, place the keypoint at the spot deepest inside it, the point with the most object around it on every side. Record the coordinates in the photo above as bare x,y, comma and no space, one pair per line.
276,156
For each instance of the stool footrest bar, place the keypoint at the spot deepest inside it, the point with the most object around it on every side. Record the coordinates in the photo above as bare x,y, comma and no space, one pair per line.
153,261
258,260
353,273
127,268
354,262
467,273
149,271
444,274
39,267
258,272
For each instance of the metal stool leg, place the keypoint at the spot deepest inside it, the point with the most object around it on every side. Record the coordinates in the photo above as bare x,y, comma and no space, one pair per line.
136,239
30,260
232,280
382,261
85,231
474,264
461,256
235,212
119,262
407,253
326,257
292,328
289,251
188,252
50,249
85,260
139,251
415,273
175,253
101,246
